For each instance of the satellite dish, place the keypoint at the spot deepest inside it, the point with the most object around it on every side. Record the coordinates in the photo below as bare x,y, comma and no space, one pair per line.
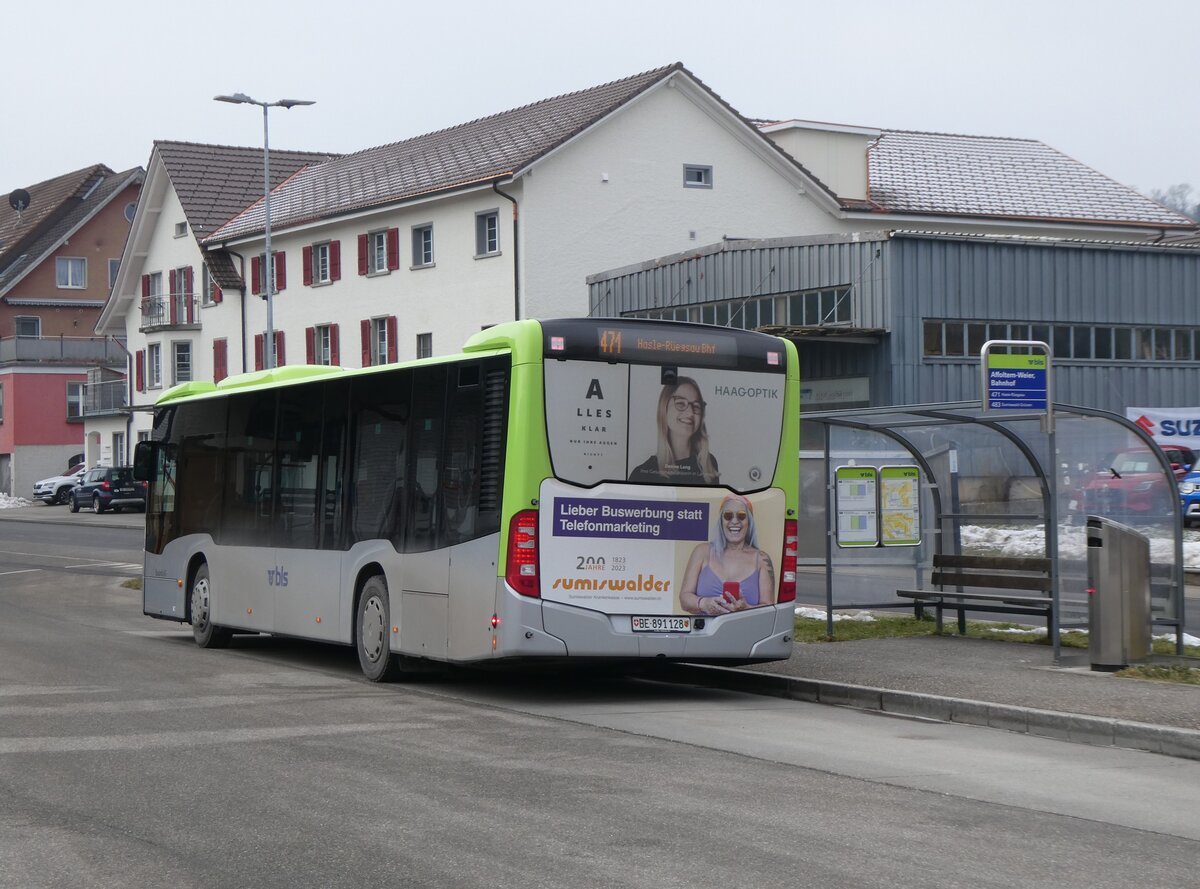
19,199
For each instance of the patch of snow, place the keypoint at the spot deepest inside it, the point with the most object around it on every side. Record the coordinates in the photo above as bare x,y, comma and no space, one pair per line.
7,502
819,614
1188,638
1072,543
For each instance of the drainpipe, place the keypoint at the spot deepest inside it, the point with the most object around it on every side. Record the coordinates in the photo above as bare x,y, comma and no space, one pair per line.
516,252
242,292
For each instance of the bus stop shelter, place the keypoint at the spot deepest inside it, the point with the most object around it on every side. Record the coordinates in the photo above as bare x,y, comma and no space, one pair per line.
987,483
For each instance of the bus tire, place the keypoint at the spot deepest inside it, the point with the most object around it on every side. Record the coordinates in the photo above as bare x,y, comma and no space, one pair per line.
206,633
373,632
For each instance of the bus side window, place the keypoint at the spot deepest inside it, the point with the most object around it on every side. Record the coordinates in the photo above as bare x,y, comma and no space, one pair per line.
299,454
425,452
460,460
380,406
333,444
246,513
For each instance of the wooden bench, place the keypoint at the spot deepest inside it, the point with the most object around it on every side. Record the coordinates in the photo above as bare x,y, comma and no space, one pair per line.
1011,578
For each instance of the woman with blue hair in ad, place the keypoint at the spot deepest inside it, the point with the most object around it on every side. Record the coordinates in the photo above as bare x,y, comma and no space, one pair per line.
729,572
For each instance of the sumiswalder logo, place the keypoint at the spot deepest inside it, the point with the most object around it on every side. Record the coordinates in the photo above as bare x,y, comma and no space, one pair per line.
642,583
1146,423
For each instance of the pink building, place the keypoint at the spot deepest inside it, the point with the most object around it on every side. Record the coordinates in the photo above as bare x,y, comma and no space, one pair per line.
60,246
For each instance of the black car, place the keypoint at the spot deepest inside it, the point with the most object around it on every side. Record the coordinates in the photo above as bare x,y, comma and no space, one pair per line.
108,487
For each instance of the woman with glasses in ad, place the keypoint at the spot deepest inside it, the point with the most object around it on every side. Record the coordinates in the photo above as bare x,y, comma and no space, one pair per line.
728,573
683,456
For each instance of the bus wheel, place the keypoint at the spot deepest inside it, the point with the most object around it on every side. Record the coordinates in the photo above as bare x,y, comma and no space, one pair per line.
206,633
374,632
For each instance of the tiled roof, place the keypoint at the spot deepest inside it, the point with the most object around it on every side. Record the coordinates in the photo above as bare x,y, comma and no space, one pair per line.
18,229
94,190
479,151
941,174
217,182
223,271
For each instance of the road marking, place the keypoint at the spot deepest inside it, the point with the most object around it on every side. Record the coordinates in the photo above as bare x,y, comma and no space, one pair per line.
124,566
8,691
21,571
160,740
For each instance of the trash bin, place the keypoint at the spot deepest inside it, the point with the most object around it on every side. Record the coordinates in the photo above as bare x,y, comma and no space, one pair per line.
1118,594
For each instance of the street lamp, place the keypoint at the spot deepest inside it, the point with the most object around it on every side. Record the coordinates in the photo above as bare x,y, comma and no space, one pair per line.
269,260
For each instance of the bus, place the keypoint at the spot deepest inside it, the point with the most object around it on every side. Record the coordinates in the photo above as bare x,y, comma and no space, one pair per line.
573,489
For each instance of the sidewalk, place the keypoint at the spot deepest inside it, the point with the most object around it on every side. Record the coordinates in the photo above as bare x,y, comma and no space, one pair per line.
1009,685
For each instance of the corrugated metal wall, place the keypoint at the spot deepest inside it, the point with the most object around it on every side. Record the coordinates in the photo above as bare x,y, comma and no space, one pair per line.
738,269
980,279
898,281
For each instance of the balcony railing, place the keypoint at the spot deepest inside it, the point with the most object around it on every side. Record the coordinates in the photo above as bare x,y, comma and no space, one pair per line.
111,397
176,310
94,350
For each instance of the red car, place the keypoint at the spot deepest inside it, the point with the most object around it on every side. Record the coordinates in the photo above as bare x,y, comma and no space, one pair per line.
1133,483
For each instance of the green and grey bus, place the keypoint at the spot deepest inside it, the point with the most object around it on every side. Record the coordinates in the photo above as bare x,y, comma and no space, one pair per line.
582,488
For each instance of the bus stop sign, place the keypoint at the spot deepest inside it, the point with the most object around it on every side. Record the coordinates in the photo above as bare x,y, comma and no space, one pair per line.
1016,380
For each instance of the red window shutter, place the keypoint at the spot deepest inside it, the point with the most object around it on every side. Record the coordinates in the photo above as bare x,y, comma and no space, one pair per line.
220,360
145,286
258,351
139,370
365,327
335,260
189,280
393,330
280,359
255,275
362,255
310,345
393,248
306,261
174,279
280,271
335,353
217,294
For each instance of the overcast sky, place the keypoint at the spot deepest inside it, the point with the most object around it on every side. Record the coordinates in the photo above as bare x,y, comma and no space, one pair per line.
1112,84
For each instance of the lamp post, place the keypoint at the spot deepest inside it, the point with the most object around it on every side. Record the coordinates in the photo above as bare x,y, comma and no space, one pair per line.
268,259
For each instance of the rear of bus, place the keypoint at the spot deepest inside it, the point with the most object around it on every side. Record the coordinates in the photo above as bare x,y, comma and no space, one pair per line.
650,492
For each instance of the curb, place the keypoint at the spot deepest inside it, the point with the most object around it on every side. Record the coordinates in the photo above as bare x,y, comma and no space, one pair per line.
1099,731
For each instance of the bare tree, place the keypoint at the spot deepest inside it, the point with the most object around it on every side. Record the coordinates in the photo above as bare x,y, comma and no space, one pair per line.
1179,198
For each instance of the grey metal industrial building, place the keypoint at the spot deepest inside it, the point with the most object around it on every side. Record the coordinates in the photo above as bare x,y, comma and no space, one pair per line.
897,317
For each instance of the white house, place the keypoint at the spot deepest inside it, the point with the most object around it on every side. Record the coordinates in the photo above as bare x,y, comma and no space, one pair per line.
407,249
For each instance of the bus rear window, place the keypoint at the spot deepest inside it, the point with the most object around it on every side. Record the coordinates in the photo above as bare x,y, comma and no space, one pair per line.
670,424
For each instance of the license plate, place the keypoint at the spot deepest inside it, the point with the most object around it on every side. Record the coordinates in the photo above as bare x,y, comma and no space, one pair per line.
662,624
123,490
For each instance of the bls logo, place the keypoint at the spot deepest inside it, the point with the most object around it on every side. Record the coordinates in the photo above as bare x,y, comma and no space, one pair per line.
276,576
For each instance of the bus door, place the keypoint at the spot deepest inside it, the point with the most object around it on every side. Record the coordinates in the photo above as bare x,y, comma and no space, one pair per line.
161,593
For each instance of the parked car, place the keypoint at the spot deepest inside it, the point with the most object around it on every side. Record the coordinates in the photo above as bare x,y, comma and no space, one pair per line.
1132,482
108,487
1189,498
56,489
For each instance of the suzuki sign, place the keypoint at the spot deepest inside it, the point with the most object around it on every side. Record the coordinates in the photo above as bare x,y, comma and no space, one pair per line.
1180,425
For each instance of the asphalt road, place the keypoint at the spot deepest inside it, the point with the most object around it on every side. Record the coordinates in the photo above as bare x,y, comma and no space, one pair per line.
129,757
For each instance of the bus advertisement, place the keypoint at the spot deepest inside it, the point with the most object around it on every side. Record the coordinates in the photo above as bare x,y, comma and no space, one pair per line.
611,489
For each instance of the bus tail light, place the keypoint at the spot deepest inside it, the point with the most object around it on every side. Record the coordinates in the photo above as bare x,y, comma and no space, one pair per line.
521,569
791,545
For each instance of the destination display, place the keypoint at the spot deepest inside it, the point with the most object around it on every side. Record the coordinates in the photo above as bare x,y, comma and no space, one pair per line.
694,345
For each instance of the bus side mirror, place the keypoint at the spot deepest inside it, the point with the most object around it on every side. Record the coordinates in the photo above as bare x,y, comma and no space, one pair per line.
145,454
